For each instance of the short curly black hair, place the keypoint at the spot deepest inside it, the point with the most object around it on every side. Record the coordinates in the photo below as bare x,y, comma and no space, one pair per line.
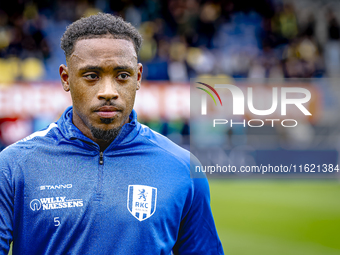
96,26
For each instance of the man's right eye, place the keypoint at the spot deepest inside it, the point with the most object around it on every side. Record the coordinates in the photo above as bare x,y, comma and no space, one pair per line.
91,76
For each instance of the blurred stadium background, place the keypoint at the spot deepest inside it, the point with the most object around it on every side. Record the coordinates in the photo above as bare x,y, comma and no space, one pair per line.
183,39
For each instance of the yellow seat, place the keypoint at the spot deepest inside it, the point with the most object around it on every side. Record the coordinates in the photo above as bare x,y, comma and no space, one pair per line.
8,71
32,69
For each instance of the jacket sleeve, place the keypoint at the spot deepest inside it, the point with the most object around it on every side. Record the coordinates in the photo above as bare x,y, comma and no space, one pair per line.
6,207
198,233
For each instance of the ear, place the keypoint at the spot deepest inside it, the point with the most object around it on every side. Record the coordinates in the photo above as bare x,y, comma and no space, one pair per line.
139,75
63,71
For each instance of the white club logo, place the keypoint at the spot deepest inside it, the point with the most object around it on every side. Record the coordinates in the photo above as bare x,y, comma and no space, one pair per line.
141,201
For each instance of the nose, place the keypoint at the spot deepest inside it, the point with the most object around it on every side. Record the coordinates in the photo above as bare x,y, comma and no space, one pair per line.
107,90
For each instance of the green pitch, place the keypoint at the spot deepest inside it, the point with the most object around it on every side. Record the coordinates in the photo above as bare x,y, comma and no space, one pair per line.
282,217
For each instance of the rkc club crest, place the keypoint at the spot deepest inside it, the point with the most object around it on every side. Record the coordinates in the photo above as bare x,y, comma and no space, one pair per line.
141,201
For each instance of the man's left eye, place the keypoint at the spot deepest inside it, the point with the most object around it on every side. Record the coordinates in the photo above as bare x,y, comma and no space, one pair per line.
123,76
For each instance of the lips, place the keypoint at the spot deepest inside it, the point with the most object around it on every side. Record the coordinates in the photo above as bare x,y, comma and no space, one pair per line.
108,111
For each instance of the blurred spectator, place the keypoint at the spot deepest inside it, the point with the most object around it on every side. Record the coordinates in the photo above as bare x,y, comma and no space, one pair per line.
182,38
239,38
23,45
332,47
285,23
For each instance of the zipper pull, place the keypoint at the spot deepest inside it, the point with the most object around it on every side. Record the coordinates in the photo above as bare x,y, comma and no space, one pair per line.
101,158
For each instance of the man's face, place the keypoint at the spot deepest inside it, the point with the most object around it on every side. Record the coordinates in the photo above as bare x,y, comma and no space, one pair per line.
103,76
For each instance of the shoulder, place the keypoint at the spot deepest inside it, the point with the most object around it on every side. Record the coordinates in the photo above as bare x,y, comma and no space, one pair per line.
171,148
43,136
164,143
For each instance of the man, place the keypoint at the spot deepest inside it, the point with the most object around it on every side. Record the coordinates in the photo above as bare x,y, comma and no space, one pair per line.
97,181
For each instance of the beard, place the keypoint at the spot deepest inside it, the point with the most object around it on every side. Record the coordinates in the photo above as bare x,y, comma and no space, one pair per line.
106,135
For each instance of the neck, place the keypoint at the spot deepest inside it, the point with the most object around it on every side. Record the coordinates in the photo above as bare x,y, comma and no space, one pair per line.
103,144
102,137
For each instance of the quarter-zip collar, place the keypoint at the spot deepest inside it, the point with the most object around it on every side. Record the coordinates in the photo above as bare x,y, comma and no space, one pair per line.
128,132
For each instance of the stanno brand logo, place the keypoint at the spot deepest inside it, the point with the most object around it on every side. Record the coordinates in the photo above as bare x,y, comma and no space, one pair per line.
66,186
54,203
141,201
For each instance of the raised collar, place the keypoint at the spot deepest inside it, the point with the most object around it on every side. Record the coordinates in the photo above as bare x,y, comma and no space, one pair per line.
128,132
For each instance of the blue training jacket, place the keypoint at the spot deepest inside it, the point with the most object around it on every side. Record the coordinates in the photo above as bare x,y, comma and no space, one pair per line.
60,195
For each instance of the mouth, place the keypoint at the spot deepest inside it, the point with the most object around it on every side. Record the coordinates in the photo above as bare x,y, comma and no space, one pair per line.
107,112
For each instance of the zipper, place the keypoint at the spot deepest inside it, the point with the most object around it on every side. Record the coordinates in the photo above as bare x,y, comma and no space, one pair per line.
99,194
101,158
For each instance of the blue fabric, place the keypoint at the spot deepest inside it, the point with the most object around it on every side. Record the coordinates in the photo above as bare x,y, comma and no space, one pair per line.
56,198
